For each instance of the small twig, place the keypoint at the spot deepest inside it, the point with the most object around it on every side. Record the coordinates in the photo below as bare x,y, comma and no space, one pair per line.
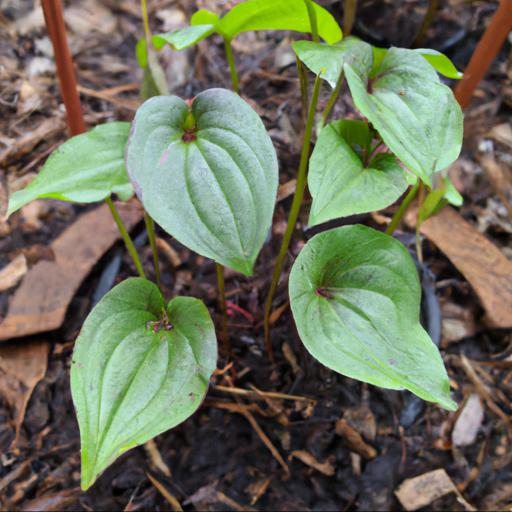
257,394
175,504
156,458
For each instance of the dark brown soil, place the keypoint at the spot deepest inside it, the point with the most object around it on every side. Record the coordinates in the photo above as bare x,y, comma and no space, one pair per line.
218,461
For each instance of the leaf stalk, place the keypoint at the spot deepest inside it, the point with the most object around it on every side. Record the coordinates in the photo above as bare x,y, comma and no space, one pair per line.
232,67
126,237
294,213
402,209
150,228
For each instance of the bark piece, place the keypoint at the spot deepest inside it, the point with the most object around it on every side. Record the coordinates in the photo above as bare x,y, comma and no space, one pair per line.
485,267
354,440
13,272
21,368
420,491
40,303
469,421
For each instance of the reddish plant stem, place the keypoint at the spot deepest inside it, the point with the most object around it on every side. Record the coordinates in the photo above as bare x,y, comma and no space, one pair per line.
55,23
486,51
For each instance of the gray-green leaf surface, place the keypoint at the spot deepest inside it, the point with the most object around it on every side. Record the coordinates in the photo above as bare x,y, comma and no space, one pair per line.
416,115
139,368
87,168
212,186
342,183
328,60
355,298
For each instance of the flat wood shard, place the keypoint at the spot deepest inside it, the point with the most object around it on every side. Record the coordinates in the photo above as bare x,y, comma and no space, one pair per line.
41,302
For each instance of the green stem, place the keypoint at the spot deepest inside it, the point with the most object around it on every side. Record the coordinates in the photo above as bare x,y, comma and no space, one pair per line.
312,20
145,19
303,81
126,237
150,228
404,205
232,66
349,16
433,6
421,198
219,269
294,212
332,100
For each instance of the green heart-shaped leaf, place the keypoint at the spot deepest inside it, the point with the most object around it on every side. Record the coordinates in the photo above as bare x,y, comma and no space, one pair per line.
139,368
416,115
440,62
355,297
328,60
249,16
87,168
279,15
342,183
207,174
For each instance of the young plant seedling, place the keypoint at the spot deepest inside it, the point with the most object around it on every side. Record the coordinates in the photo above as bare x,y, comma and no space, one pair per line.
206,171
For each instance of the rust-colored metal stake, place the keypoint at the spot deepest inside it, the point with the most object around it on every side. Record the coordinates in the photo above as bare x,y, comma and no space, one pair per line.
54,18
485,53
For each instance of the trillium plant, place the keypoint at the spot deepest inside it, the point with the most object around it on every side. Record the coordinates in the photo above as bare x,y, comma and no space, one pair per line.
206,171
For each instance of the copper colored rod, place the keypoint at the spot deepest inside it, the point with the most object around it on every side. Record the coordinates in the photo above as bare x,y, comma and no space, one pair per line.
55,23
486,51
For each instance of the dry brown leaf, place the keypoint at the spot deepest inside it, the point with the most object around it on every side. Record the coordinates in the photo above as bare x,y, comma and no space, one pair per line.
354,440
458,322
86,17
22,366
485,267
362,420
326,468
502,133
11,274
420,491
469,421
41,302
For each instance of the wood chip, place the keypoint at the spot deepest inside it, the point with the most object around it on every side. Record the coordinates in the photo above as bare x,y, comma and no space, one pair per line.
485,267
326,468
45,131
286,189
420,491
469,421
11,274
41,302
354,440
22,366
169,252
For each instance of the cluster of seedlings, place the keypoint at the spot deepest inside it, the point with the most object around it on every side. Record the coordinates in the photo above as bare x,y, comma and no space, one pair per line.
206,171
